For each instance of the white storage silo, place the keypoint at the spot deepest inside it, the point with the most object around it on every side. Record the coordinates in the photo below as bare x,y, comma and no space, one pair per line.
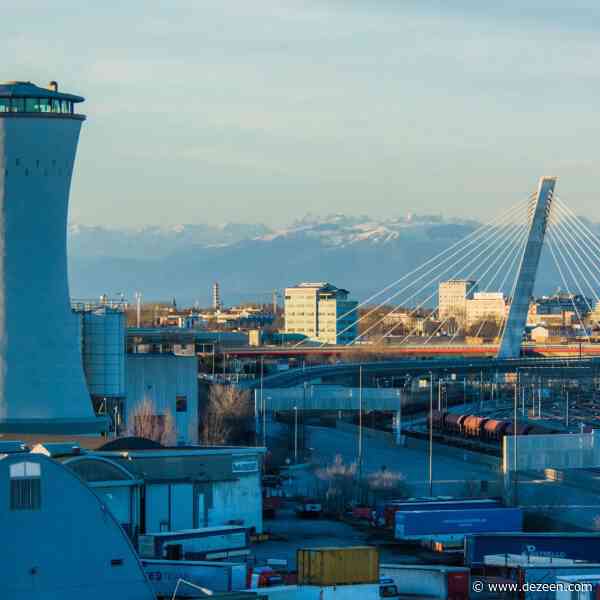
103,345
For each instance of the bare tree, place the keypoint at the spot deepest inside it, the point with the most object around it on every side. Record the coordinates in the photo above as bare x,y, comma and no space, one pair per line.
340,480
144,421
226,415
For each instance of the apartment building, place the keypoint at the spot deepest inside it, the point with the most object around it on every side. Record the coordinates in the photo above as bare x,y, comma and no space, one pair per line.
486,306
321,312
452,299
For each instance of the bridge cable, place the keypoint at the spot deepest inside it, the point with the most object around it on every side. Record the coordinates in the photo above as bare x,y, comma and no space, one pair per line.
450,316
460,246
518,257
480,244
500,240
561,248
482,278
578,237
484,248
560,271
587,232
563,236
515,254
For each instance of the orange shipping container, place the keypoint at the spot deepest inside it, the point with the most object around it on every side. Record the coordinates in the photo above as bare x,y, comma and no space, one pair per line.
338,566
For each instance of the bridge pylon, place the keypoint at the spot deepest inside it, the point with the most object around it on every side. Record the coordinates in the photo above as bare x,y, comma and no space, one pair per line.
510,345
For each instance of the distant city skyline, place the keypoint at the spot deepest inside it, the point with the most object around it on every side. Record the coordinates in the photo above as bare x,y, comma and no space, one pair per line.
217,111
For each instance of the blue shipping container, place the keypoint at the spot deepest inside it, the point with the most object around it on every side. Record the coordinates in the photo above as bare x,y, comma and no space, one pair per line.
577,546
415,524
454,504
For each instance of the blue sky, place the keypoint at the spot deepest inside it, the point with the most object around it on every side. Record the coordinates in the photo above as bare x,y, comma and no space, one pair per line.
263,111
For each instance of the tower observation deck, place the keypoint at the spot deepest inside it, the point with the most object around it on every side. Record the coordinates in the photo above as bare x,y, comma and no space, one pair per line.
42,384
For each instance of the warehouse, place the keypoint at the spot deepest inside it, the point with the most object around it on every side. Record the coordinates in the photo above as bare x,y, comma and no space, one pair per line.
172,489
63,543
170,383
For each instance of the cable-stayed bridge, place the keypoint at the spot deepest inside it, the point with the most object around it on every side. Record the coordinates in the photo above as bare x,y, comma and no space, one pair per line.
501,257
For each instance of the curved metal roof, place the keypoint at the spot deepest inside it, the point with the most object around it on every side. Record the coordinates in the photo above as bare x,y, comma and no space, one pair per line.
26,89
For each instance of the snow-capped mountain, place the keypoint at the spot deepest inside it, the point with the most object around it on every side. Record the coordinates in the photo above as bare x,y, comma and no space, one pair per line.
361,254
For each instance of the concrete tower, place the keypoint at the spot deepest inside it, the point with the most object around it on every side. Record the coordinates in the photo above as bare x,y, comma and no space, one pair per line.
42,385
510,346
216,296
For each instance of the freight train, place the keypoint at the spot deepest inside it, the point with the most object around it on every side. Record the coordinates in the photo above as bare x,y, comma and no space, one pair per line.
481,428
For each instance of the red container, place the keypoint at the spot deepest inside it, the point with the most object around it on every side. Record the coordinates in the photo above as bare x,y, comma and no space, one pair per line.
495,429
473,425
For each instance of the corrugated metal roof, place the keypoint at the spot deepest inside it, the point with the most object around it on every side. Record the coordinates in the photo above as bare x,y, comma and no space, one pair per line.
26,89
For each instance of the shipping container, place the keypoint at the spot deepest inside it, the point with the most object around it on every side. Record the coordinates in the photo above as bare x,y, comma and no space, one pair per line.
454,422
314,592
578,587
437,418
473,425
338,566
389,509
435,582
530,578
494,429
206,543
522,428
242,595
215,576
431,524
579,546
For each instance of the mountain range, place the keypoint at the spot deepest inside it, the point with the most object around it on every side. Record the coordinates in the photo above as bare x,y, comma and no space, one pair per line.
249,260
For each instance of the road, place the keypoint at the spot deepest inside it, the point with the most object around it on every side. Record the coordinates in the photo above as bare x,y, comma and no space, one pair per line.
294,533
411,463
572,504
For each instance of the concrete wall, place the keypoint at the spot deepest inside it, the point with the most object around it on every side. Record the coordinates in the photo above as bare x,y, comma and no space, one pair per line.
41,374
331,397
71,547
161,378
239,499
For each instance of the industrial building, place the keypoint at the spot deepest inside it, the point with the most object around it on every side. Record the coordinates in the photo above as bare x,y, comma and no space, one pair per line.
170,383
321,312
156,489
63,542
103,326
42,387
563,302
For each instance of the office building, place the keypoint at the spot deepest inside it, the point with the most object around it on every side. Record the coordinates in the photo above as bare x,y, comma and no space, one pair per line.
322,312
490,307
452,299
42,384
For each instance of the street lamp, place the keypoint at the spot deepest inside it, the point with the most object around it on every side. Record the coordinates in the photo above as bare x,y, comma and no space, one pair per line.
431,433
295,434
262,403
360,432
